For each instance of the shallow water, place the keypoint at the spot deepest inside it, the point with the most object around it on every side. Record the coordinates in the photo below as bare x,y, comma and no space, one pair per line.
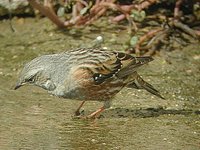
32,119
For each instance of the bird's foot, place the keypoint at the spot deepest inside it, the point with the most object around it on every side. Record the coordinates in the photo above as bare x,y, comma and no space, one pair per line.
92,116
78,114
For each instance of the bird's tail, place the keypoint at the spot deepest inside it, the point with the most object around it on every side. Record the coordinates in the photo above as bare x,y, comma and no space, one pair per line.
139,83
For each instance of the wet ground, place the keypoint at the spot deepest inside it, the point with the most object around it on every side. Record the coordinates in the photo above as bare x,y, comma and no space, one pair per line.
32,119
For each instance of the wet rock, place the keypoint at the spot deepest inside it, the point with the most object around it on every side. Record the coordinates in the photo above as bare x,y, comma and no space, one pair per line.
16,7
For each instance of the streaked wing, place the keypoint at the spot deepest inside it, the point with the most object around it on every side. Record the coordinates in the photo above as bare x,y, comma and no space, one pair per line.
118,65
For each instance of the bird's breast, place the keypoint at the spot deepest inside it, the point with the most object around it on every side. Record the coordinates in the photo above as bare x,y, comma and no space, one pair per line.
80,85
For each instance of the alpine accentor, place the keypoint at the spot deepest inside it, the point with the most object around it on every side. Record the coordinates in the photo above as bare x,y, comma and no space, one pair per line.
86,74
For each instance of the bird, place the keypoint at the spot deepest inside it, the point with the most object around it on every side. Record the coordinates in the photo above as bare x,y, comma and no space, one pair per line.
86,74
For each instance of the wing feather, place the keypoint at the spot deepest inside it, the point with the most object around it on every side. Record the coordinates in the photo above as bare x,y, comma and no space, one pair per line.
118,65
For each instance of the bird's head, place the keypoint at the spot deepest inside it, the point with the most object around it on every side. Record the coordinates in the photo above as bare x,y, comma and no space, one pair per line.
37,73
28,76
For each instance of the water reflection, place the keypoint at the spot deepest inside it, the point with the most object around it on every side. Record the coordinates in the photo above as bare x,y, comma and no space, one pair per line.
83,134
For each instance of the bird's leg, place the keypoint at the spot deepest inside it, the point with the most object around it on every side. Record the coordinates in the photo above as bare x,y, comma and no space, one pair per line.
96,113
77,112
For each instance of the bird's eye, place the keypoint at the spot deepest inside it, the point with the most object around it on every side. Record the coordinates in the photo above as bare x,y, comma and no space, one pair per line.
30,80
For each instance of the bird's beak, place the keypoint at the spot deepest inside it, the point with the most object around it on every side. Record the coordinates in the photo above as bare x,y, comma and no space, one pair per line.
17,86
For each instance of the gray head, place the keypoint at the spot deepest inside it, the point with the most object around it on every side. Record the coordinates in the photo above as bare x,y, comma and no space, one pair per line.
35,72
